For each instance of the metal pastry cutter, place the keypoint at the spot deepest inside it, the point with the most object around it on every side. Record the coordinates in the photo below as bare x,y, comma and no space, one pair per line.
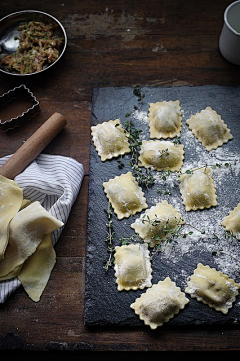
12,97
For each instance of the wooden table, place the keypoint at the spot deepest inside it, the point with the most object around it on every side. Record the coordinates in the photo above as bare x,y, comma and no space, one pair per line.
117,43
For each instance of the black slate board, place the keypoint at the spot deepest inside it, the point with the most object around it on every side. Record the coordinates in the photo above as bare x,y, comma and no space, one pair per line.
104,305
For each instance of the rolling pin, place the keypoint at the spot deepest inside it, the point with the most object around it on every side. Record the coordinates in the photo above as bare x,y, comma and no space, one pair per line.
33,146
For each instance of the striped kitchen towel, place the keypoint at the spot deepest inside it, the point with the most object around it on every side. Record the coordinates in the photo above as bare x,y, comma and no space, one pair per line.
55,182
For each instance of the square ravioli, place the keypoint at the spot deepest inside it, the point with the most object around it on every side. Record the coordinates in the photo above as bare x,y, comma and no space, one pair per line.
125,195
209,128
159,303
161,155
197,189
158,223
109,139
132,267
213,288
165,119
232,222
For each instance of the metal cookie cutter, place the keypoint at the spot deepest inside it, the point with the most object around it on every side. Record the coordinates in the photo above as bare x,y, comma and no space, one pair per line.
16,95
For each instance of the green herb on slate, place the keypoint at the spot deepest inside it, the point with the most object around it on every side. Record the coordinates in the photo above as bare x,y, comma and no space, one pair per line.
109,238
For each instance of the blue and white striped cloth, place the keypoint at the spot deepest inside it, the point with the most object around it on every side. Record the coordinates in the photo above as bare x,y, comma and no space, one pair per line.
55,182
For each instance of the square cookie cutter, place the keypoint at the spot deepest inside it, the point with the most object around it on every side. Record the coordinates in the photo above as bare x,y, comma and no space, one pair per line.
13,95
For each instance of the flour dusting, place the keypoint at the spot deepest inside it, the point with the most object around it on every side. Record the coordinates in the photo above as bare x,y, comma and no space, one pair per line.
203,232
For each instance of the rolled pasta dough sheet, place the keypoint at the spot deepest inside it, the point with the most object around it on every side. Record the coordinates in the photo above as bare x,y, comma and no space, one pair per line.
11,197
26,232
36,270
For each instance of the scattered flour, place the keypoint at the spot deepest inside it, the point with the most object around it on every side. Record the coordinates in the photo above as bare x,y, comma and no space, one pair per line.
202,234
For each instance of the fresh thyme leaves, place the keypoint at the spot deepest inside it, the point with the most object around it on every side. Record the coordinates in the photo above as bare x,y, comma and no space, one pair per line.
166,228
145,179
163,191
137,91
224,253
230,237
177,140
131,239
109,238
120,163
226,165
133,135
143,176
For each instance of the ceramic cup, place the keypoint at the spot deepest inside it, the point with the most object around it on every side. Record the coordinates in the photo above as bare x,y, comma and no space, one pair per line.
229,41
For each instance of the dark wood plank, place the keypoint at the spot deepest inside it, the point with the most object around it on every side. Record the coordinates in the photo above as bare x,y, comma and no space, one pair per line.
117,43
72,141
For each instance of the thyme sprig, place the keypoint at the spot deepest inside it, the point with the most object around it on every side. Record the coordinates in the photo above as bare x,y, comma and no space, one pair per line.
143,177
137,91
110,237
132,239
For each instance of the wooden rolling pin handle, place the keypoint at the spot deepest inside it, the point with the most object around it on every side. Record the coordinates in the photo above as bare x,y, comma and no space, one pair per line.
33,146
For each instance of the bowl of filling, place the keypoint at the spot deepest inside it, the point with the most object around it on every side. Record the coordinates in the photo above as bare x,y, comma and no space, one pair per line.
30,42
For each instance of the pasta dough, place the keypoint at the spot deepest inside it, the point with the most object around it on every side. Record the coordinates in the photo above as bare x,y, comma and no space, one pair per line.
132,267
165,119
198,189
158,223
110,139
11,197
125,195
232,222
37,268
209,128
161,155
159,303
213,288
26,232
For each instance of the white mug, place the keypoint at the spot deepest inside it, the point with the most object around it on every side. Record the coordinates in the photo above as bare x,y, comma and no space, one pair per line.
229,41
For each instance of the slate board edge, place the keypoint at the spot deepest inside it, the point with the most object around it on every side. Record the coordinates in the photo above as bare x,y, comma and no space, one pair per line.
88,319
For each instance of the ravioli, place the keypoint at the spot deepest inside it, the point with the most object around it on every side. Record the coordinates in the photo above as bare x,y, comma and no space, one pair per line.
198,189
26,232
125,195
11,198
161,155
209,128
232,222
109,139
132,267
165,119
213,288
158,223
160,303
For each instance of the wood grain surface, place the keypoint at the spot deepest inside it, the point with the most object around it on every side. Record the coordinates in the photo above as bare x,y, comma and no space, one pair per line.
110,43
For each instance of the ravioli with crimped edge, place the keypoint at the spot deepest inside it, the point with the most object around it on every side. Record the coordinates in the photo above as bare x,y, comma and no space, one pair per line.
165,119
132,267
160,303
209,128
198,189
213,288
161,155
125,195
109,139
232,222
